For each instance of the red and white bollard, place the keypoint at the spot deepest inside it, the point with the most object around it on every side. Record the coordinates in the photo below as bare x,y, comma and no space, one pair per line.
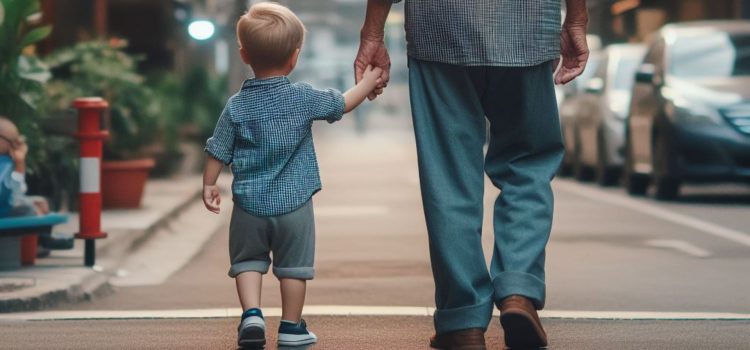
91,138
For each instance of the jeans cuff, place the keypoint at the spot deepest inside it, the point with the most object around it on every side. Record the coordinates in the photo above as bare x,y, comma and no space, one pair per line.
250,265
298,273
519,283
472,316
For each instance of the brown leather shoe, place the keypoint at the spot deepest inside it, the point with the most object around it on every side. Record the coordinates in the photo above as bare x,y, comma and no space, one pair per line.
521,324
465,339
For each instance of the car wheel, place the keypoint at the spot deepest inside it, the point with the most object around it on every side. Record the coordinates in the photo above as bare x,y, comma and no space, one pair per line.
667,187
566,167
581,172
635,184
605,175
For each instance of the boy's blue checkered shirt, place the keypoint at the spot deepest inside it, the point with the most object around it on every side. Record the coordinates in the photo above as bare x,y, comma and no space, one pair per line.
265,133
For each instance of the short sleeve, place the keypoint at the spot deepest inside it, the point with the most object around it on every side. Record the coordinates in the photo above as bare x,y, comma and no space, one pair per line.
325,104
221,144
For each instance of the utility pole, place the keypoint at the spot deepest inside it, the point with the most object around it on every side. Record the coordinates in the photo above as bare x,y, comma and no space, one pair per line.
100,18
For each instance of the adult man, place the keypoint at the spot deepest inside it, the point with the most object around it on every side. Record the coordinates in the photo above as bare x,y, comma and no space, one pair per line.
469,60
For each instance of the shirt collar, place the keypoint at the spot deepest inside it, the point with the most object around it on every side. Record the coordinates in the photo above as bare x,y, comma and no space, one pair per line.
266,81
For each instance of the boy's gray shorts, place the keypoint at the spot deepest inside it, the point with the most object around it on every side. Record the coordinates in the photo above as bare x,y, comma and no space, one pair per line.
289,237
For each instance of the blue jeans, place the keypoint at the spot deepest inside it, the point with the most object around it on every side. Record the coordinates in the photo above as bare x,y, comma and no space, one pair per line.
449,107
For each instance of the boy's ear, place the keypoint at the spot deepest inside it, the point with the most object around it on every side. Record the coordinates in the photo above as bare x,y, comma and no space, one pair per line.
244,55
294,58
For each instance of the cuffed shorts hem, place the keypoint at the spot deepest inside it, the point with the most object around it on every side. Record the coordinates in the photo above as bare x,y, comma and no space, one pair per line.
472,316
250,265
519,283
299,273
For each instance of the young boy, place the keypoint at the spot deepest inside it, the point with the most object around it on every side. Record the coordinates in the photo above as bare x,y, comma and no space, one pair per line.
265,134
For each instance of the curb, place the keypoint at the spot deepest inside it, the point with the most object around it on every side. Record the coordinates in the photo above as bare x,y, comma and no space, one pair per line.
95,281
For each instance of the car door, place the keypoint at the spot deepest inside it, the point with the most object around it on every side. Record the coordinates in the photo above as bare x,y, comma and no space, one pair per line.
645,106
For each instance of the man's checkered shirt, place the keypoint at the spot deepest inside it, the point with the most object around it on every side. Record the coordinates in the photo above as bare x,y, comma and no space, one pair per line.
265,133
508,33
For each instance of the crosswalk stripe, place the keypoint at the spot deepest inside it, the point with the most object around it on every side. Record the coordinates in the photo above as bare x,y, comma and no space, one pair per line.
346,310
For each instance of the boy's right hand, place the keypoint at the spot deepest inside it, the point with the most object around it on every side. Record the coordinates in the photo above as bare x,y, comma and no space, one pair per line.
212,198
372,76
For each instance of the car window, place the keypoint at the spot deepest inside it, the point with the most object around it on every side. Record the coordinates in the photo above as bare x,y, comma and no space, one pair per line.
592,66
655,53
710,54
625,73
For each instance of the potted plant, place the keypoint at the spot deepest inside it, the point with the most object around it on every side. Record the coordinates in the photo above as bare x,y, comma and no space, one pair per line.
103,68
22,74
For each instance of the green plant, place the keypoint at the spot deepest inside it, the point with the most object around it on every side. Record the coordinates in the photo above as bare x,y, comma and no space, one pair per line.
22,75
191,103
103,68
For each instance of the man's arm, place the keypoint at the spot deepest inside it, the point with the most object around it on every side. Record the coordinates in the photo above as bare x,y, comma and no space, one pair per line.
372,49
574,50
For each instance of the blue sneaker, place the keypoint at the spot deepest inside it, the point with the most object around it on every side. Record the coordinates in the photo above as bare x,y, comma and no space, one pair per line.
295,334
251,334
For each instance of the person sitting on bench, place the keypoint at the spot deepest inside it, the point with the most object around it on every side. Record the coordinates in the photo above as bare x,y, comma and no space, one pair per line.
13,150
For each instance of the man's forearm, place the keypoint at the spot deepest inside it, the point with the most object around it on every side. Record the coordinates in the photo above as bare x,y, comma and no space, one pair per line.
20,166
377,13
576,12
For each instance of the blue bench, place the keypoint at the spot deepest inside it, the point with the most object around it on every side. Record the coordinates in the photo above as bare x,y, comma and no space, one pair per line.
13,228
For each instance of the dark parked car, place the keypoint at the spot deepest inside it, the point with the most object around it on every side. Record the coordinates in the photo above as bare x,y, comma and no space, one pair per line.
599,125
690,111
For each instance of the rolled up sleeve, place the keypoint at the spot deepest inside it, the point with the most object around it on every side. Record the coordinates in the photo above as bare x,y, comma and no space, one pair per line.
221,144
326,104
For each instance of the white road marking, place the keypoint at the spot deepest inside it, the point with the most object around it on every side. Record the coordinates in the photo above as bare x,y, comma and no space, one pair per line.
343,310
679,245
655,211
353,210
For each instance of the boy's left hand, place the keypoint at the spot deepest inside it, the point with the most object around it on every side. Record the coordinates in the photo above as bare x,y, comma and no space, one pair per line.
212,198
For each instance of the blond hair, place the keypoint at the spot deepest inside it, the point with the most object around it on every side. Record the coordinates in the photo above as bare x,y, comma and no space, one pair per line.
270,33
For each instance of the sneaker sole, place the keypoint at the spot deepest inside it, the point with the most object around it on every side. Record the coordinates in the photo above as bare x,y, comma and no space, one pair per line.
252,338
297,342
521,332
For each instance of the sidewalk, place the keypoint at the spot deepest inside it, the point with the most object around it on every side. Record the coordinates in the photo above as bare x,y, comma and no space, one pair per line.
62,277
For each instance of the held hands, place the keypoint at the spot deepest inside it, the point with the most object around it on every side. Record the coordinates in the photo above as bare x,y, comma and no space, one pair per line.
372,78
212,198
373,52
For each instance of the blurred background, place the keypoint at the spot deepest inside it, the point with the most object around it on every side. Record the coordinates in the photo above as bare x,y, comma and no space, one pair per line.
168,66
652,201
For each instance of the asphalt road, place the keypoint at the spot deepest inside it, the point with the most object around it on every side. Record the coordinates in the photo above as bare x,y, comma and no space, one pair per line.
608,254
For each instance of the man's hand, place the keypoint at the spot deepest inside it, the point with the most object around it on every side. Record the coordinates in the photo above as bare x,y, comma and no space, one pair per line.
574,52
212,198
19,149
372,52
41,205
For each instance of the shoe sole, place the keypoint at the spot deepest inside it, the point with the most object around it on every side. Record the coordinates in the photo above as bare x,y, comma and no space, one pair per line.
298,343
521,332
468,347
252,338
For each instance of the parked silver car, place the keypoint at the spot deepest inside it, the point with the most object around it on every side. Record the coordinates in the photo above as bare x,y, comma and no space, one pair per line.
598,126
690,111
570,97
